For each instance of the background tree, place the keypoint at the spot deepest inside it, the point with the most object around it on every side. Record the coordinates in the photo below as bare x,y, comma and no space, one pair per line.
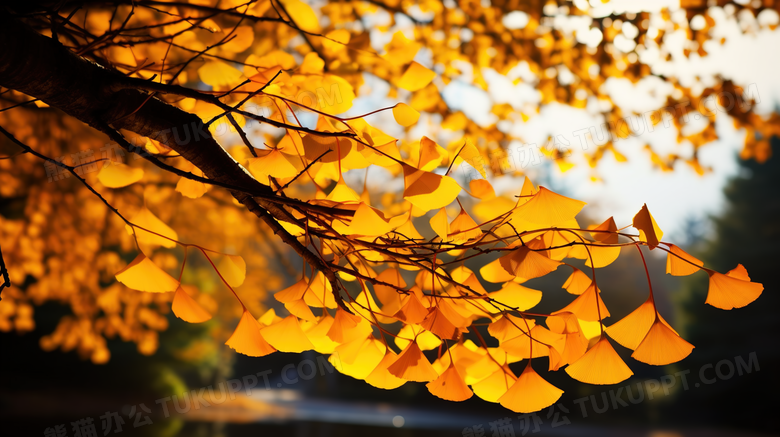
170,82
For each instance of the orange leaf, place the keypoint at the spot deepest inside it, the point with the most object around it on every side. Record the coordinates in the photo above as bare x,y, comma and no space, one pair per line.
187,309
530,393
412,365
731,290
287,336
600,365
649,231
450,386
679,263
247,339
662,346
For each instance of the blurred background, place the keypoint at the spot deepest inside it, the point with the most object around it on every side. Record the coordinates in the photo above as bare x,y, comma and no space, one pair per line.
191,385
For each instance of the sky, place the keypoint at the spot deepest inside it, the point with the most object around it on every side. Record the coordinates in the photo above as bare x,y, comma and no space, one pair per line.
672,197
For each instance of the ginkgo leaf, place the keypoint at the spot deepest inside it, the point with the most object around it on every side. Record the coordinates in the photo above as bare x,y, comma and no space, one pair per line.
187,309
661,346
632,329
300,309
303,15
347,327
381,378
530,393
428,191
440,224
219,74
463,228
144,275
600,365
517,296
649,232
367,358
191,189
680,263
317,335
426,340
494,386
470,154
601,256
367,221
495,272
509,326
247,339
405,115
481,189
587,306
411,365
163,235
386,293
608,237
416,77
731,291
117,175
450,386
412,310
528,264
293,292
577,282
287,336
438,323
273,163
546,208
233,269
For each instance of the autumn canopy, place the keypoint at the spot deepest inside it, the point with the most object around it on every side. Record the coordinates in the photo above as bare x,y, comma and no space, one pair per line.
168,155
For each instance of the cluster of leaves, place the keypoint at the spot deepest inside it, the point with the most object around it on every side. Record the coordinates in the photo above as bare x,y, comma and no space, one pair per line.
370,267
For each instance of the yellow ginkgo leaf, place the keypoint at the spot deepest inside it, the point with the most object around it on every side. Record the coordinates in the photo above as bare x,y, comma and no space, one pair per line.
632,329
144,275
273,163
233,269
247,338
680,263
450,386
367,358
440,224
158,230
425,339
219,74
117,175
495,272
416,77
527,264
516,296
287,336
530,393
494,386
367,221
732,290
317,335
481,189
405,115
587,306
600,365
577,282
662,346
649,232
187,309
303,15
463,228
381,378
411,365
546,209
428,191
